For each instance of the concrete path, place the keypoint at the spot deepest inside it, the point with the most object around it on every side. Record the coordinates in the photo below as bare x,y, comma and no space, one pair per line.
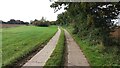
41,57
75,56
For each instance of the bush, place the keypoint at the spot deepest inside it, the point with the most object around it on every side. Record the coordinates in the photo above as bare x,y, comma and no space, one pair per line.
39,23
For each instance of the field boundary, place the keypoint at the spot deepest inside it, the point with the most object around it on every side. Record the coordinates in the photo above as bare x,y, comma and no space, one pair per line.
11,25
22,60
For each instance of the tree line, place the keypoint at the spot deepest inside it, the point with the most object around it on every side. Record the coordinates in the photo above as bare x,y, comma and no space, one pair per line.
43,22
12,21
91,20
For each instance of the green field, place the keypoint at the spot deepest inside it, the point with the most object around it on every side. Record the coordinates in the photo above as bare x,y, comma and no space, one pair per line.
0,47
56,59
18,41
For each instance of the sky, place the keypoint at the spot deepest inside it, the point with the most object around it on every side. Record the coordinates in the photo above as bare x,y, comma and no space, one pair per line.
27,10
119,19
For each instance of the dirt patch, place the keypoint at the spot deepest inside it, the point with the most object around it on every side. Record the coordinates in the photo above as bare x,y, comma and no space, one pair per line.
9,25
65,59
116,33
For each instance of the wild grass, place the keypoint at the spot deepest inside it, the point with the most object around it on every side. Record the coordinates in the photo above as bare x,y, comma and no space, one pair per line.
0,47
56,59
19,41
98,55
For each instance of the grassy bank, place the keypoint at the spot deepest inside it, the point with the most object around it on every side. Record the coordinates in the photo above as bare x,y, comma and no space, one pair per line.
0,47
56,58
18,41
98,55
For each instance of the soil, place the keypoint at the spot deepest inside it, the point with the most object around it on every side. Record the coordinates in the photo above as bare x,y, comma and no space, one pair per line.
116,33
9,25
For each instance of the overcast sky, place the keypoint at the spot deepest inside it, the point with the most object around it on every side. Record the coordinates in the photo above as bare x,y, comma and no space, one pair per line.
27,10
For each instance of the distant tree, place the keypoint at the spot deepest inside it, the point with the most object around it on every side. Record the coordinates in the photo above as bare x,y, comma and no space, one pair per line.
41,22
12,21
43,19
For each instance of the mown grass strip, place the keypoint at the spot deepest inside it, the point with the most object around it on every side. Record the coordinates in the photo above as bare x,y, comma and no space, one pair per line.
56,59
19,41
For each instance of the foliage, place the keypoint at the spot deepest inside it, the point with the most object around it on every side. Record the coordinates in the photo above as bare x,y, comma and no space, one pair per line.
53,23
12,21
41,22
98,55
92,25
89,19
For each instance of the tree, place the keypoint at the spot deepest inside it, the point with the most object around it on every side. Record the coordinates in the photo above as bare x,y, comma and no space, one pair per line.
91,20
43,19
41,22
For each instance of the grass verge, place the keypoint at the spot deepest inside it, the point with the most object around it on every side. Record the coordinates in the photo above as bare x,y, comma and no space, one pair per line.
98,55
56,59
19,41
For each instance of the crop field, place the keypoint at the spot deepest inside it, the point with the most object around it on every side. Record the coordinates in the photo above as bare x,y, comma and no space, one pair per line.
9,25
18,41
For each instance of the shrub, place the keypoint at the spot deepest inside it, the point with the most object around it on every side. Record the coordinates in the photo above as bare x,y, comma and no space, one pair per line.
40,23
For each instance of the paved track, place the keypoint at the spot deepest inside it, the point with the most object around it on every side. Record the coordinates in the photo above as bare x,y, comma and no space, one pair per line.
75,57
41,57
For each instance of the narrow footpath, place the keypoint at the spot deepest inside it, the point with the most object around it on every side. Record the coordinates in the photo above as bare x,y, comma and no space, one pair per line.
75,57
41,57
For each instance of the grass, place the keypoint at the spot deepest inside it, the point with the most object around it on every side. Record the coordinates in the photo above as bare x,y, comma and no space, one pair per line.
98,55
0,47
19,41
56,59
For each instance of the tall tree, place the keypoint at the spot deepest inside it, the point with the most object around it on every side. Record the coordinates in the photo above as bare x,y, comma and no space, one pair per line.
90,17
